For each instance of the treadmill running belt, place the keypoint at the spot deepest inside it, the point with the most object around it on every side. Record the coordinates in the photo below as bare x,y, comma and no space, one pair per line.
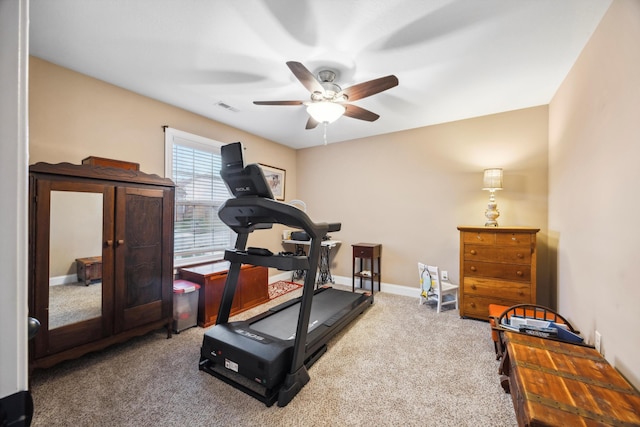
324,307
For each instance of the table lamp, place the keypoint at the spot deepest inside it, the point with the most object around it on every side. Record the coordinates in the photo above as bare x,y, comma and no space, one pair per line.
492,181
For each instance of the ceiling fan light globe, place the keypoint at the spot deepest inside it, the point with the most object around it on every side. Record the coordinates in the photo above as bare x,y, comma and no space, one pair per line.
325,111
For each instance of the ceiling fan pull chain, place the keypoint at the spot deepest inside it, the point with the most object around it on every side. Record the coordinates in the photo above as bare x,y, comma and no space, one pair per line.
325,133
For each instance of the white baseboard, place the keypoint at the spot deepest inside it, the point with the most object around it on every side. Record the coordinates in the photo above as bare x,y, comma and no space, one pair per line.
63,280
346,281
285,275
384,287
400,290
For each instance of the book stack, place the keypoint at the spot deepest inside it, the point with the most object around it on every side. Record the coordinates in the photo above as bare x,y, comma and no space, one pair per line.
541,328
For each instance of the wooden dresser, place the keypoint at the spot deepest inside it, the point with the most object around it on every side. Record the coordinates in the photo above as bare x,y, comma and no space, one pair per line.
497,266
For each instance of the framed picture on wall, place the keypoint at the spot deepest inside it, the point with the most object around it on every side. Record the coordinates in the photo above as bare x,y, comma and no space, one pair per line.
276,178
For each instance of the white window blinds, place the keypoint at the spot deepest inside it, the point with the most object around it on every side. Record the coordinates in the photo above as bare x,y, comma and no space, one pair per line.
193,163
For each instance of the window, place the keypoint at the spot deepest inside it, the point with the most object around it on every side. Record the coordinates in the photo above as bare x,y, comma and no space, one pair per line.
193,163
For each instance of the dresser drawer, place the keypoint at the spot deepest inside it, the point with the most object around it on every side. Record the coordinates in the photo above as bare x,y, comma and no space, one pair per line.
478,306
361,252
513,291
509,254
479,237
365,250
514,239
521,273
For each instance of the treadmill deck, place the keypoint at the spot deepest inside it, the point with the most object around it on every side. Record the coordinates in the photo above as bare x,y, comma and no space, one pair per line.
260,349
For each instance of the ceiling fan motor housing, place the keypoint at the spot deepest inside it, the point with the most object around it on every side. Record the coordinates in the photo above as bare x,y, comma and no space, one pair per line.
326,78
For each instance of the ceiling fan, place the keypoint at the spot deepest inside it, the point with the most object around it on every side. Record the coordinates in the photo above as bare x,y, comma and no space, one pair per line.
328,100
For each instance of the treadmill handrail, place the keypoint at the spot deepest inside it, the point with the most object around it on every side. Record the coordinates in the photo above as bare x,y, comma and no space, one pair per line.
247,214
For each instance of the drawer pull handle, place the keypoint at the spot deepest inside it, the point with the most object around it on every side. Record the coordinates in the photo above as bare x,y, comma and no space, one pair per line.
109,243
479,237
519,255
473,268
519,273
473,287
120,242
473,304
514,238
473,252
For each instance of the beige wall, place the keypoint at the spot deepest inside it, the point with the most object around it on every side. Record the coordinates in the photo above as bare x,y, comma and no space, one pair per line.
73,116
410,190
594,136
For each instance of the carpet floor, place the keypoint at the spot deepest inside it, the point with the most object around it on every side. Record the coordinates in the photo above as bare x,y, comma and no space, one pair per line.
399,363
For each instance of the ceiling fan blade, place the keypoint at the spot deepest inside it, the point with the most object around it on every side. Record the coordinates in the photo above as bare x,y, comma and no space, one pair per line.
360,113
305,76
278,102
362,90
311,123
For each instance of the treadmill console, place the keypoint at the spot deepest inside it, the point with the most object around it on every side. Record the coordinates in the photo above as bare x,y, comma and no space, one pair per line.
259,251
240,180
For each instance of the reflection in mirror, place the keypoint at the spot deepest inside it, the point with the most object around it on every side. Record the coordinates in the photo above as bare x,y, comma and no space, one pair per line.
75,257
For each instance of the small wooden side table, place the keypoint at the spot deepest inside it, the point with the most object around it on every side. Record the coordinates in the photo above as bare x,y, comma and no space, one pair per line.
89,269
370,251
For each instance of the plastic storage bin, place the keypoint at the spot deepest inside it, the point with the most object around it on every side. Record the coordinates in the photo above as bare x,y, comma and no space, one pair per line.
185,305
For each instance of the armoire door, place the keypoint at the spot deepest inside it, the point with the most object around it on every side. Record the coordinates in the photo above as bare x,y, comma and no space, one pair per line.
70,220
143,256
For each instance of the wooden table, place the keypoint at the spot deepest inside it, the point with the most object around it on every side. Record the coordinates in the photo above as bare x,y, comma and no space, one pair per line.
324,266
370,251
251,291
553,383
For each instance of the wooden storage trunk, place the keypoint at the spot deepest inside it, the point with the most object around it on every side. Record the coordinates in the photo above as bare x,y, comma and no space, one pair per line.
89,269
112,163
252,289
553,383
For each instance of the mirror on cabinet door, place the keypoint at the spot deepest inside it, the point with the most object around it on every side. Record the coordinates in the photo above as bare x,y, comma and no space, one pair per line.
75,257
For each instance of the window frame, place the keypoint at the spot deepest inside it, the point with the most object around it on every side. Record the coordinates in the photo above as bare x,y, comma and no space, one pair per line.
203,144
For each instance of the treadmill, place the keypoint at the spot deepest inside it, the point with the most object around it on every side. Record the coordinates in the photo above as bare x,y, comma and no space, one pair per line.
268,355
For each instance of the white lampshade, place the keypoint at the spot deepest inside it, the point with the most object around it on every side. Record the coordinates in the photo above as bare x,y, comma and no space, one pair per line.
492,179
325,111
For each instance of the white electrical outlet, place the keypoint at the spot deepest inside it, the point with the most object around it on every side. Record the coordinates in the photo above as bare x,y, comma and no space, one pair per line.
598,342
445,275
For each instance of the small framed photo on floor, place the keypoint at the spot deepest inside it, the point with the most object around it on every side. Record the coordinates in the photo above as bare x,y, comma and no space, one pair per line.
276,178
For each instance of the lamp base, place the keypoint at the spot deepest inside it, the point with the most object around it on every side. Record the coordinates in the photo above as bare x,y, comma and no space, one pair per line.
492,213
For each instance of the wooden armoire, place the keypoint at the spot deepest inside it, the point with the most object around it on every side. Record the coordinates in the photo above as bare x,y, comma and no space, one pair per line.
120,218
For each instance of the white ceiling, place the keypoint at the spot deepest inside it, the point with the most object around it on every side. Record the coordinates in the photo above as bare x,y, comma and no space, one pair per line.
454,59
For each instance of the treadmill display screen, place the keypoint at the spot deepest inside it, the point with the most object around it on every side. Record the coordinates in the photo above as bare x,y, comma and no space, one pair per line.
242,181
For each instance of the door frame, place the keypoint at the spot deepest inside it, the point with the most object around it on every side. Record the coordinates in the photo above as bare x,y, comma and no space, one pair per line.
14,160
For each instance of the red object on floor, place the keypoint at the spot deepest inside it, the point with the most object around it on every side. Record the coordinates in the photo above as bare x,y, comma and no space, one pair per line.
282,287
